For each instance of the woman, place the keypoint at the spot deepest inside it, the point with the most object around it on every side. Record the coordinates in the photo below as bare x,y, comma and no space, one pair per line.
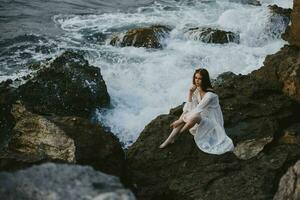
203,117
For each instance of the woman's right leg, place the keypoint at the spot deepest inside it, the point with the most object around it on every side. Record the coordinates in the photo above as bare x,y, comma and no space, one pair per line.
171,137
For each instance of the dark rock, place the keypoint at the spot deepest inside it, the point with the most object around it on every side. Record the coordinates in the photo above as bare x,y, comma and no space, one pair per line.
142,37
255,113
182,171
210,35
251,2
94,145
7,98
61,181
279,21
69,86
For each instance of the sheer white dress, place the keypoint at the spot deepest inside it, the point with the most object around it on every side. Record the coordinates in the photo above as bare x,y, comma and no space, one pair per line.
209,134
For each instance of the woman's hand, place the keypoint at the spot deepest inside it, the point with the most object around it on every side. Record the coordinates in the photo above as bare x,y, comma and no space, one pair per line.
192,89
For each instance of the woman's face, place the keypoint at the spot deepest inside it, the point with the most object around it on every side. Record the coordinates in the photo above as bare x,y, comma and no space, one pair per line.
198,79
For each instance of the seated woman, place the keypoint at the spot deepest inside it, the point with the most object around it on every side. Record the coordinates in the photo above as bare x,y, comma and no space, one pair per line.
203,117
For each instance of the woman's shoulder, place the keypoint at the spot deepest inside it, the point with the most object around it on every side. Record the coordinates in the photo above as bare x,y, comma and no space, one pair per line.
211,93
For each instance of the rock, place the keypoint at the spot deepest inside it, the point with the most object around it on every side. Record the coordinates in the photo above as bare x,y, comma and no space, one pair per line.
283,66
69,86
255,113
210,35
250,148
279,21
291,135
37,139
251,2
142,37
289,186
95,146
182,171
295,27
7,97
61,181
252,108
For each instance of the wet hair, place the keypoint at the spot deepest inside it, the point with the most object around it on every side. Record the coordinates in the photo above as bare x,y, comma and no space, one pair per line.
205,82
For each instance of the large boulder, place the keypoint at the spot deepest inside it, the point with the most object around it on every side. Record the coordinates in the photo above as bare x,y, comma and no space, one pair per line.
60,181
149,37
295,27
182,171
284,67
256,113
209,35
69,86
36,139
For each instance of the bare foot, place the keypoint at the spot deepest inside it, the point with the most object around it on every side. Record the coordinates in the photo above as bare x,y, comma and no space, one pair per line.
166,143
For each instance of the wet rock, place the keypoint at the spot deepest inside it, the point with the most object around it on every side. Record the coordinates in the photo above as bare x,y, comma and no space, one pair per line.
61,181
210,35
250,2
142,37
279,21
69,86
283,66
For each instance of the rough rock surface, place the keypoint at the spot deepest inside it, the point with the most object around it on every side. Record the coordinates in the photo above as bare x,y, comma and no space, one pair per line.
210,35
69,86
142,37
61,181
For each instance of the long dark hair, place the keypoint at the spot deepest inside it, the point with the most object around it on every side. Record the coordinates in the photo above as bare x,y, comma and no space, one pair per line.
205,82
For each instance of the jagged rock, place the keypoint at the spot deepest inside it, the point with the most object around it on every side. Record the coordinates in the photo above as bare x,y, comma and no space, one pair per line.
61,181
255,113
182,171
69,86
210,35
289,186
7,97
291,135
95,146
295,27
37,139
283,66
141,37
279,21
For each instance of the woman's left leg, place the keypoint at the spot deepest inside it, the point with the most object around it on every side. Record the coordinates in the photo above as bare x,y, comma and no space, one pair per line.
171,137
191,121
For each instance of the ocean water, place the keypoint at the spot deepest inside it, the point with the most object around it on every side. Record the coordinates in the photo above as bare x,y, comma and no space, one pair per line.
143,83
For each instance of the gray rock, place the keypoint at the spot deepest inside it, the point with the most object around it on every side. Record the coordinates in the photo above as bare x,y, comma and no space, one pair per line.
61,181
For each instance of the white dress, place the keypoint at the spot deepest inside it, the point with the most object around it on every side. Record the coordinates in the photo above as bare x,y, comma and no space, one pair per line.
209,134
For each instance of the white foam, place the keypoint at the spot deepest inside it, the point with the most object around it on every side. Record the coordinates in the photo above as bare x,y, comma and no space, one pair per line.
146,83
